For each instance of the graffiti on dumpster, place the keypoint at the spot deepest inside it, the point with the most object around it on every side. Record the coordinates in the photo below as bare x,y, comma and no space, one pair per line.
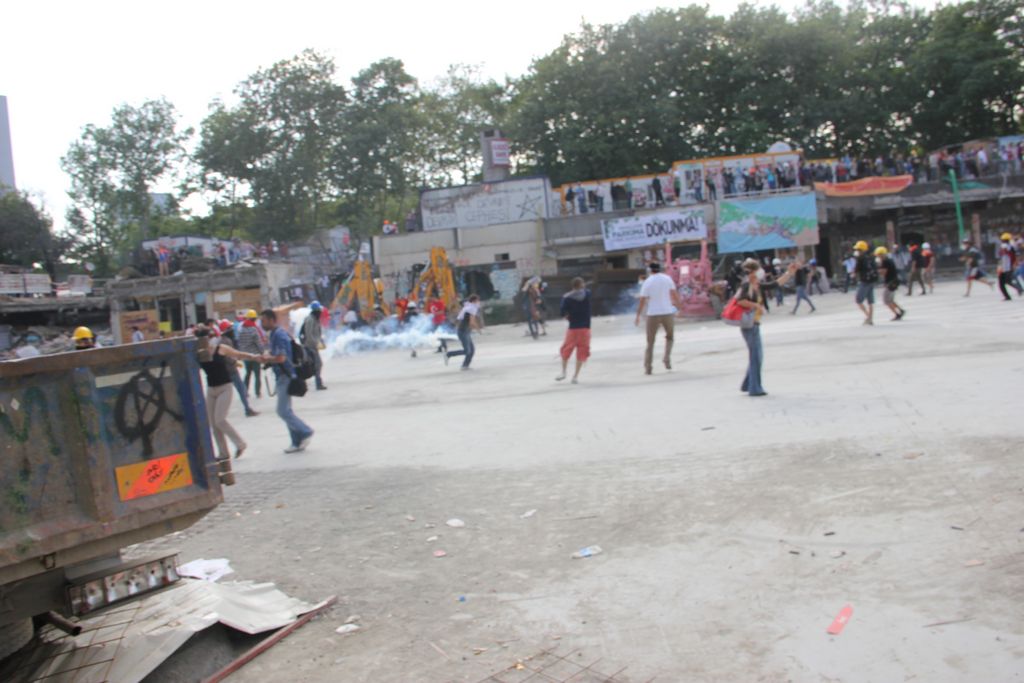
140,406
33,403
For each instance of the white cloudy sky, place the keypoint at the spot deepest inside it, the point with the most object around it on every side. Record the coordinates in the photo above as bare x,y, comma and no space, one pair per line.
66,64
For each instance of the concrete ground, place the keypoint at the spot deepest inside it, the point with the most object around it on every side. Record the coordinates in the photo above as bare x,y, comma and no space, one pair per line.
882,472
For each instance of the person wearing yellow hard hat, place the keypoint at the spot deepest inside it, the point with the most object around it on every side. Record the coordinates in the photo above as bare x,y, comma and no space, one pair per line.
867,276
1007,267
891,280
252,339
83,338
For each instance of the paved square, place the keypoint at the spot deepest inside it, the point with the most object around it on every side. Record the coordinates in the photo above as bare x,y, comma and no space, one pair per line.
882,471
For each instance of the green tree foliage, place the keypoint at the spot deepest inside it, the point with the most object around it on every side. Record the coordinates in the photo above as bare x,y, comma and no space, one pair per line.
26,234
381,145
968,72
113,170
279,142
682,83
456,109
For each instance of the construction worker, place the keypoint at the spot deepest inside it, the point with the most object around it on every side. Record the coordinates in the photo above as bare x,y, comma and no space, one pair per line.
867,276
1007,266
891,277
84,339
312,338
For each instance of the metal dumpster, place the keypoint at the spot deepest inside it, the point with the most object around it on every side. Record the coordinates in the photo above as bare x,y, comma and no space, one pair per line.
99,449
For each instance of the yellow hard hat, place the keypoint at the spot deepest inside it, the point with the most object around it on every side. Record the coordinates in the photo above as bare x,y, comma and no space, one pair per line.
881,251
82,333
861,246
251,314
1006,237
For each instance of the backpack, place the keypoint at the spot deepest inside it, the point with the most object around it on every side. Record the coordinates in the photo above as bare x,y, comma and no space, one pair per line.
872,274
302,360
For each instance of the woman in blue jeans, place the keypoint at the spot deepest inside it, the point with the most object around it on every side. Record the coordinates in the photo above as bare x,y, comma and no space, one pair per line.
751,297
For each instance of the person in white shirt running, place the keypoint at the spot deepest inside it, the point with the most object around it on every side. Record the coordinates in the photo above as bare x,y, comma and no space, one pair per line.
660,300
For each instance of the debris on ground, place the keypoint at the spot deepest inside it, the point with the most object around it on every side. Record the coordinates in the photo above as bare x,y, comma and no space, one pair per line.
589,551
957,528
410,518
839,623
347,628
206,570
946,623
838,553
830,533
353,619
439,553
455,523
432,539
528,514
974,563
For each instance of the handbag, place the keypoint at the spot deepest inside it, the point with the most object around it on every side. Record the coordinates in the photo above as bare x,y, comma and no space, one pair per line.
736,315
297,387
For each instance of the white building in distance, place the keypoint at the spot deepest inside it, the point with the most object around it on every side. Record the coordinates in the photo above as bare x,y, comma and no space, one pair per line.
6,154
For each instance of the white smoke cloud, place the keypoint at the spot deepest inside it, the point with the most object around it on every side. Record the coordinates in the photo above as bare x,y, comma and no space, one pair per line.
388,334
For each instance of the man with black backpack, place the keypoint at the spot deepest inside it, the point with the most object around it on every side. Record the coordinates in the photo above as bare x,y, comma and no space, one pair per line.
867,276
290,364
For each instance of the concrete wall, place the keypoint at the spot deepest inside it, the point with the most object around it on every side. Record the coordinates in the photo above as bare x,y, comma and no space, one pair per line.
472,248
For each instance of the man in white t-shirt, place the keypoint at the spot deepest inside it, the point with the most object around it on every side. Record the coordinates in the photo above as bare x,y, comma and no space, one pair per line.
660,300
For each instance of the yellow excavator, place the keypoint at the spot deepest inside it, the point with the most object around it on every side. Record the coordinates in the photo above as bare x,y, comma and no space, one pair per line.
437,281
363,288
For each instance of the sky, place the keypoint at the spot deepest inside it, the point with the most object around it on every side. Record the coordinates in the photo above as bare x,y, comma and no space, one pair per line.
67,64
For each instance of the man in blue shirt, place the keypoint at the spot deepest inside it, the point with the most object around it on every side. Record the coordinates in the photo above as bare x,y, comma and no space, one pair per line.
280,356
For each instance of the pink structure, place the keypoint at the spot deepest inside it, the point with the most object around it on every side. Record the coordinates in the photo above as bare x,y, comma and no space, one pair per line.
693,280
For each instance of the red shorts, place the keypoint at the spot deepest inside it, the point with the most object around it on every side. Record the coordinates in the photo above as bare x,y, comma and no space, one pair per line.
576,339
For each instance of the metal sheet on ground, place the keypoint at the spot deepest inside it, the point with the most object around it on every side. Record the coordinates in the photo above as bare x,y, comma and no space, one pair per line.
128,643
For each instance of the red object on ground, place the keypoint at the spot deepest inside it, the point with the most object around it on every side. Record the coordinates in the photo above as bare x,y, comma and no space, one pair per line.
840,621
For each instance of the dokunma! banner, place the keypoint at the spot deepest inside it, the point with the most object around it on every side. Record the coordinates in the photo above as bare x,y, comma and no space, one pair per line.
769,223
670,225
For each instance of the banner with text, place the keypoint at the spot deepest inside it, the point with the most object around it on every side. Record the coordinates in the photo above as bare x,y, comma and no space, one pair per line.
780,222
674,225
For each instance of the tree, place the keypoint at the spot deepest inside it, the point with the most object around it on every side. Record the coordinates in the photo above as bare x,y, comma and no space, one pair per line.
456,109
969,73
380,158
278,144
113,170
26,235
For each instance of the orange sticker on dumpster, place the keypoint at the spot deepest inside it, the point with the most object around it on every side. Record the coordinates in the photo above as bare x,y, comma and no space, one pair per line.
153,476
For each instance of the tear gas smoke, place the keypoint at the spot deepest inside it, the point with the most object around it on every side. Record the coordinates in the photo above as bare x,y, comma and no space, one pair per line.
388,334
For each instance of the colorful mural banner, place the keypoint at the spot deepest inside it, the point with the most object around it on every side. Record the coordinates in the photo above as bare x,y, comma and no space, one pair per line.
866,187
780,222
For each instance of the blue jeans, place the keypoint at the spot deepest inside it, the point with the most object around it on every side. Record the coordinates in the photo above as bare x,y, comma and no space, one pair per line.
236,379
297,429
752,382
801,295
468,349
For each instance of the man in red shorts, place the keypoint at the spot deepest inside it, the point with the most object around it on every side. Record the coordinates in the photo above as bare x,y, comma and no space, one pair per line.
576,309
